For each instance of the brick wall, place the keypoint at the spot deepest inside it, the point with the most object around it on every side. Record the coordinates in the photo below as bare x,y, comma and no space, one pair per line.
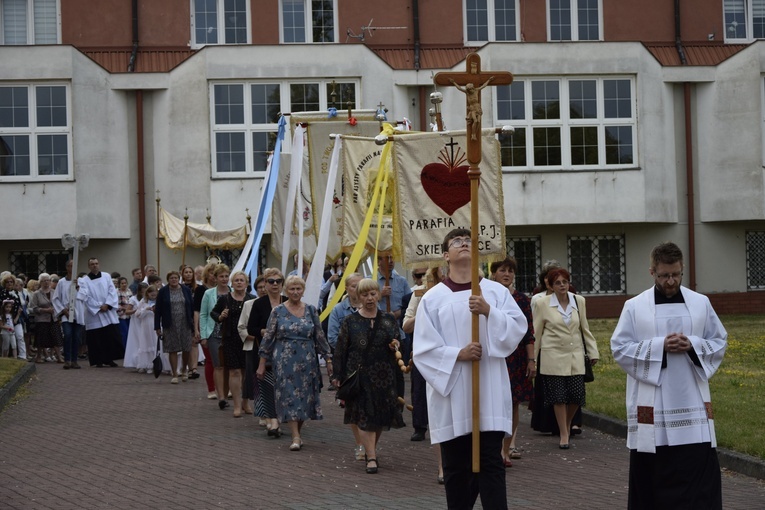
724,303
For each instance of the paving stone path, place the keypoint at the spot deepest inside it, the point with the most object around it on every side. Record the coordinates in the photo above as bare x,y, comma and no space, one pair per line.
113,438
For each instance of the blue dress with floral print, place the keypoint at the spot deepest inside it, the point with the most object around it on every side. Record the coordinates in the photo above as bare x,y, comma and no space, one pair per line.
292,344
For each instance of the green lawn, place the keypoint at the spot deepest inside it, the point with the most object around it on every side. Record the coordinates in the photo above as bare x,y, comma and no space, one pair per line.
738,387
8,368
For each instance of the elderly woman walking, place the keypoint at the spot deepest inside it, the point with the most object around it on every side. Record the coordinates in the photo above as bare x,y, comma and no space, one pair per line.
561,329
366,345
292,341
174,319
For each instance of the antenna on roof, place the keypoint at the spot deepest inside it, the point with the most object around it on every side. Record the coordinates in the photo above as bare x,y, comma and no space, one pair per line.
368,28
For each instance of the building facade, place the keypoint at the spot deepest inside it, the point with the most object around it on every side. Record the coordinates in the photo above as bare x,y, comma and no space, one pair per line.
635,122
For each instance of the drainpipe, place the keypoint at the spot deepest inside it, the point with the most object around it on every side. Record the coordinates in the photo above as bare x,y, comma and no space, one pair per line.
139,143
689,183
416,23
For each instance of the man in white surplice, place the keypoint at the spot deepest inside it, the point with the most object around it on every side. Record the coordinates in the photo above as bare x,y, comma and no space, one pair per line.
443,354
670,342
99,296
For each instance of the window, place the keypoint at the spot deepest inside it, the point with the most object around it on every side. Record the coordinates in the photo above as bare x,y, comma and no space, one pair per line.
597,264
574,20
219,22
527,252
32,263
245,118
755,260
35,132
308,21
744,20
491,20
25,22
568,123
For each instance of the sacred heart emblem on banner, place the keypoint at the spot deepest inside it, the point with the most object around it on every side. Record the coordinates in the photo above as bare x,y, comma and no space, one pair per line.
433,195
447,183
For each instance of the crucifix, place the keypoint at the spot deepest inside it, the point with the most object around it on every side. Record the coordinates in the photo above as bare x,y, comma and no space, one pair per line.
471,82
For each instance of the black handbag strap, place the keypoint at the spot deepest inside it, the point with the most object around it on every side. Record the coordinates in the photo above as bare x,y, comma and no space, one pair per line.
581,331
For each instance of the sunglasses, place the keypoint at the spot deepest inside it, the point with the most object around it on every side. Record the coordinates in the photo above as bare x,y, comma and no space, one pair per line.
418,275
277,281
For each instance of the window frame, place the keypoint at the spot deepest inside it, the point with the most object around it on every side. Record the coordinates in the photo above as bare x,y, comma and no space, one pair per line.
491,20
749,9
308,24
33,131
564,123
248,127
220,14
30,24
595,275
574,22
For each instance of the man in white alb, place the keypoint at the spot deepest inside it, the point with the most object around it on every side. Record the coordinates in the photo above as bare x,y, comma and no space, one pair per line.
670,342
444,352
102,334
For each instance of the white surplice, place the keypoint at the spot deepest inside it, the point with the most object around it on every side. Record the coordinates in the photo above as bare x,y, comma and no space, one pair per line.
61,302
93,294
442,329
678,395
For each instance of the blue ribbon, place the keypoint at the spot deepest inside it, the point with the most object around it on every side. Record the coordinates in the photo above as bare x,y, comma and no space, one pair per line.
332,112
268,199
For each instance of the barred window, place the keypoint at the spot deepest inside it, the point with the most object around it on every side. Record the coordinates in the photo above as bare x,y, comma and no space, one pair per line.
32,263
597,264
527,252
755,260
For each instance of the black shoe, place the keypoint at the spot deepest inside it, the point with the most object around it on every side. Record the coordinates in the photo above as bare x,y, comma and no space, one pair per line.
194,375
418,435
222,404
575,431
372,470
113,364
99,366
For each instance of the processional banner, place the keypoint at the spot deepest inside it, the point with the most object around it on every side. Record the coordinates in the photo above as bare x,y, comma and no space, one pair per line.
361,162
433,195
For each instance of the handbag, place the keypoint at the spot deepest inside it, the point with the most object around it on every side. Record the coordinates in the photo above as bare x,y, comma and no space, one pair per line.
589,376
156,365
349,388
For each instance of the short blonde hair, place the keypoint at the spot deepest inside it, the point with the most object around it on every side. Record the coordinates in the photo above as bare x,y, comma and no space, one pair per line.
270,272
294,280
367,285
222,268
237,273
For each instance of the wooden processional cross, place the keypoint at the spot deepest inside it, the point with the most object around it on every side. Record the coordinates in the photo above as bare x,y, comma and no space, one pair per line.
471,82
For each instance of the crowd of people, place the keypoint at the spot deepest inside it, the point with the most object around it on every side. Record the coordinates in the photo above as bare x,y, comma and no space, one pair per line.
265,351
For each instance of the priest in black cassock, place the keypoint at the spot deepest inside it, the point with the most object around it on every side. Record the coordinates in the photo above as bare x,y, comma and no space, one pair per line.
670,342
102,333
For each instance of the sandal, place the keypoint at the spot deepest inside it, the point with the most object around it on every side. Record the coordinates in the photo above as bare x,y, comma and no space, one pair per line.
297,443
515,453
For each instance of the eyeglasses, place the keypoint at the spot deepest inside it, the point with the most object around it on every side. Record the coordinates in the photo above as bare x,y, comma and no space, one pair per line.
418,275
459,242
666,276
272,281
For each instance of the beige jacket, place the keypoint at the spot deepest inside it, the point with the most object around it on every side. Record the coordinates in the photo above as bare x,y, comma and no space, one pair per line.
558,347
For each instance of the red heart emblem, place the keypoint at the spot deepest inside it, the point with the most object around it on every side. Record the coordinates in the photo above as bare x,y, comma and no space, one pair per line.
448,188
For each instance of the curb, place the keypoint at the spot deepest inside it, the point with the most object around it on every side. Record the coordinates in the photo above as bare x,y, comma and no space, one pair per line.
8,391
729,459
